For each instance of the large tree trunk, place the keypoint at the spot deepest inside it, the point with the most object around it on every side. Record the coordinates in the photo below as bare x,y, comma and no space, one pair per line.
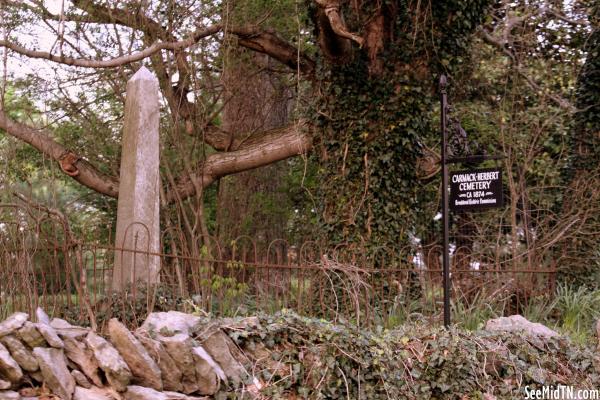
382,61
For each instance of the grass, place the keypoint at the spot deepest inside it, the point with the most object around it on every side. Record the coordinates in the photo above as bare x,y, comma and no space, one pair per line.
57,301
572,311
578,310
472,316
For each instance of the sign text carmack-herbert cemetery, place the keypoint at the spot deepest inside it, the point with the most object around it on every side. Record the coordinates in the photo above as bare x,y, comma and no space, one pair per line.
476,189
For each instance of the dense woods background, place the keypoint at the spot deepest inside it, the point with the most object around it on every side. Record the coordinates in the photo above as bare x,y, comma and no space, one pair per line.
310,120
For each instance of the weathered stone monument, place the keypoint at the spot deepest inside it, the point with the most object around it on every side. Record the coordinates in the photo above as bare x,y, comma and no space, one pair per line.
138,207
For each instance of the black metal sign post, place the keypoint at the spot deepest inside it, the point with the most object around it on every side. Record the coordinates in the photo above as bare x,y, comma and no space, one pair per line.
470,190
445,217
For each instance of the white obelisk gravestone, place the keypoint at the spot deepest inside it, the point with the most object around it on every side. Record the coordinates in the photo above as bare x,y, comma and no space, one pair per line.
138,206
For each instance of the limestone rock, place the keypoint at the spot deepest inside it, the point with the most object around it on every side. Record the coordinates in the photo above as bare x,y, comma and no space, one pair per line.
179,348
10,395
172,321
28,392
21,354
59,323
54,369
30,335
220,347
50,335
206,372
80,379
42,317
5,384
9,367
37,375
65,329
92,394
81,355
179,396
143,367
516,323
110,361
12,323
243,324
143,393
171,375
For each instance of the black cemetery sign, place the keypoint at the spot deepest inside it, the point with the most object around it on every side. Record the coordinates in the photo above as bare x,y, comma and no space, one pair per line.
476,189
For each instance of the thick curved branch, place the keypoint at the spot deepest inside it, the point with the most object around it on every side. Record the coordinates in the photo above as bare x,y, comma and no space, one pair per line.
88,175
219,139
267,42
118,61
260,150
332,10
275,145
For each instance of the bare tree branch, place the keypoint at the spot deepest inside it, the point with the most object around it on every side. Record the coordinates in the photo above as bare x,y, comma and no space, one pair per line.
259,150
118,61
267,42
263,41
39,9
88,175
502,45
563,17
111,15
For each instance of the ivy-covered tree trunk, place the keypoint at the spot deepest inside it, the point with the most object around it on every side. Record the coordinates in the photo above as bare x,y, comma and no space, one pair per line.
378,78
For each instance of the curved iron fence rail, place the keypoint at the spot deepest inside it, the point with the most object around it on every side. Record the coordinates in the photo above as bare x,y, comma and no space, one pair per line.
73,280
43,264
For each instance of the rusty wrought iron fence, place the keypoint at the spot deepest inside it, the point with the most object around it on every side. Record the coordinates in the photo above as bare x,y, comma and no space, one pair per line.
73,280
43,263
